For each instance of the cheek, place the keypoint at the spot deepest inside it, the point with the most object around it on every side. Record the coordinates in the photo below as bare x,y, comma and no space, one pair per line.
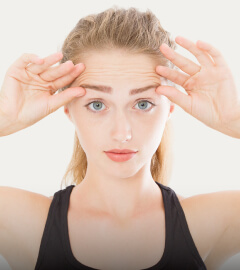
154,129
90,139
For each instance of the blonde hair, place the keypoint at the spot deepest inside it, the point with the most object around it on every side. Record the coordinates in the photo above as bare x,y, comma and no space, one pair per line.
136,32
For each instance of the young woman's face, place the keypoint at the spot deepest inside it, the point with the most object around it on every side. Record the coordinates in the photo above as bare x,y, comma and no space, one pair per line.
104,120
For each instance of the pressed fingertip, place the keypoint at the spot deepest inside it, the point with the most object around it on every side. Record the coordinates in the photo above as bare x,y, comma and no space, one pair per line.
159,68
164,46
80,92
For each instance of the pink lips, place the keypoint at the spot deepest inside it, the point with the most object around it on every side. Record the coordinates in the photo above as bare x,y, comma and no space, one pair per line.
122,151
120,155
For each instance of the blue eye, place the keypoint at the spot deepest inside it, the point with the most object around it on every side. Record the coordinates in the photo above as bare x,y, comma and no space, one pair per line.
97,105
143,104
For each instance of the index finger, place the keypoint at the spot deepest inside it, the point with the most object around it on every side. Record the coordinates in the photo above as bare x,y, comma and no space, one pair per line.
47,62
215,53
24,60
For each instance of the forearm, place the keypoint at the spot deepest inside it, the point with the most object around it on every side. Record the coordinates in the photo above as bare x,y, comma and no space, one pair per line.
6,127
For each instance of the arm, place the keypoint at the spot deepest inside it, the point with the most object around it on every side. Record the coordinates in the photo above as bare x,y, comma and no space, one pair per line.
228,244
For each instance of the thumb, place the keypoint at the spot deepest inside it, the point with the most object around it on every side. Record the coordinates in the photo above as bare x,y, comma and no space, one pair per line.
177,97
64,97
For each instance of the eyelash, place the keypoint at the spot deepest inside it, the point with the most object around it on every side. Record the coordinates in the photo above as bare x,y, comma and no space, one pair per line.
153,105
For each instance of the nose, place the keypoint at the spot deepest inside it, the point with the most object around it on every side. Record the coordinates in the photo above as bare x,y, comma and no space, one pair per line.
121,130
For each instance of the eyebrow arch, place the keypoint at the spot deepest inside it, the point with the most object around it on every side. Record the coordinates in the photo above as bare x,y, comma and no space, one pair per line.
109,90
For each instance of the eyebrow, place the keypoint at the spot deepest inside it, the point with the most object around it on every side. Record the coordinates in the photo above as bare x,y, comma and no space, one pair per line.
109,90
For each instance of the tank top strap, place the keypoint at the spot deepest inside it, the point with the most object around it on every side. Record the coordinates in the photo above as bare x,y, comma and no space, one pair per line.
178,227
54,221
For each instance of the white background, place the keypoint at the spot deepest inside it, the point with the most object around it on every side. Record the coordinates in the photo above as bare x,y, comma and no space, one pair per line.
36,158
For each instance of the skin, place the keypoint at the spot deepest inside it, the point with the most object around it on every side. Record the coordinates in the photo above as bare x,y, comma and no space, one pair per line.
120,189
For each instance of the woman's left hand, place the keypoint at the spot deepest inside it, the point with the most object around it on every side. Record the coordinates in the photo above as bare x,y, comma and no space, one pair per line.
212,96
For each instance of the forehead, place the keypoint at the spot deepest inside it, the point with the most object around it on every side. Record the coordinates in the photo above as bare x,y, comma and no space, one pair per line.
116,58
118,66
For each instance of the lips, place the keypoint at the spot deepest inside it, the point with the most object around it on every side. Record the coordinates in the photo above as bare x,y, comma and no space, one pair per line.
120,157
121,151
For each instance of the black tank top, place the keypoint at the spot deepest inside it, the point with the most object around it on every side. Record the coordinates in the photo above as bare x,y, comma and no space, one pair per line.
55,251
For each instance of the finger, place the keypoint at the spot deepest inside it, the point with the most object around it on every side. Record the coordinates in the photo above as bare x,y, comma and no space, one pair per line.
180,61
201,56
53,73
215,53
64,97
177,97
27,58
67,79
172,75
47,62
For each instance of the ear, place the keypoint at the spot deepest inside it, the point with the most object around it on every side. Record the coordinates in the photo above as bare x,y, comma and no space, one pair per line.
66,111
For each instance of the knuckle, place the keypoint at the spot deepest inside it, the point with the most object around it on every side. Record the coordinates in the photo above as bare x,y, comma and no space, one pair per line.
184,65
53,86
175,76
49,85
197,53
186,84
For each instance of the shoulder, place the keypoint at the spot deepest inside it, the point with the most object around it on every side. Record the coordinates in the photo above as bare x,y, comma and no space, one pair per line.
214,223
217,208
14,198
22,206
23,216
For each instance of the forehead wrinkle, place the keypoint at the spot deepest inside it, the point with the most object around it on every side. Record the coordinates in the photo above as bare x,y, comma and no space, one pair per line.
124,72
127,74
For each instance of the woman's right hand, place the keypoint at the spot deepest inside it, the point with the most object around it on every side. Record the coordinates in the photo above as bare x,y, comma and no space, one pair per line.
27,93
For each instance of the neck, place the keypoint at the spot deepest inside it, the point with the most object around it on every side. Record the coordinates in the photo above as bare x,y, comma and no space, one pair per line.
120,198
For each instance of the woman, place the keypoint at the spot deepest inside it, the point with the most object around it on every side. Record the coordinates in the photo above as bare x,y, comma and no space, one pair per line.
120,214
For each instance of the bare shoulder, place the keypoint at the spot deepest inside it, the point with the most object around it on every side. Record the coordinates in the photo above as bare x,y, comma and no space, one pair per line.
221,204
23,216
19,201
213,220
215,209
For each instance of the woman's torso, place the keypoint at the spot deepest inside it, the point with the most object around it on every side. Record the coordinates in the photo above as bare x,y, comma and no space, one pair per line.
140,243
